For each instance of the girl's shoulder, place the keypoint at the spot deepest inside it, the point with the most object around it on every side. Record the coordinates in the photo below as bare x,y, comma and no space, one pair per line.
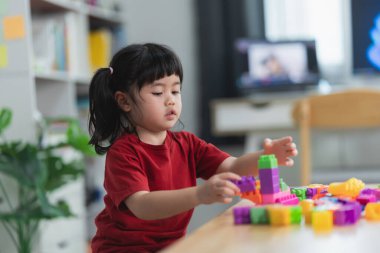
184,136
125,141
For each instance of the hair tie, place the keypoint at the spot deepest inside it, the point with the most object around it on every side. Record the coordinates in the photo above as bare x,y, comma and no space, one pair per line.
111,70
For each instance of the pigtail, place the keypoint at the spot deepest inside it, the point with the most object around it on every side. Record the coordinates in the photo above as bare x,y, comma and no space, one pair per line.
104,118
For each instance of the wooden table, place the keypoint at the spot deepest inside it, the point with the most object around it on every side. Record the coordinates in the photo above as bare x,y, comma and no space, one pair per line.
220,235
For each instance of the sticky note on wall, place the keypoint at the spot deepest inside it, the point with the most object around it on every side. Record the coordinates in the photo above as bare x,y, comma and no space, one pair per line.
13,27
3,56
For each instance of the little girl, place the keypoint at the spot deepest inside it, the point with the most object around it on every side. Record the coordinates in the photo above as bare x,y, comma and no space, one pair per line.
150,171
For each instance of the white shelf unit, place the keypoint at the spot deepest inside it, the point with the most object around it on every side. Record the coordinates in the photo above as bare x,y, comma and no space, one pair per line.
36,90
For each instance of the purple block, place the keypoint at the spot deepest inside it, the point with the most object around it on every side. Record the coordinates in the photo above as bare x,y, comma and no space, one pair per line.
311,192
364,199
269,181
369,191
246,184
242,215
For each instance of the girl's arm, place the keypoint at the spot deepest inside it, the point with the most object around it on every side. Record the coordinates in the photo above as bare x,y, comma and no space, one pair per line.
163,204
246,164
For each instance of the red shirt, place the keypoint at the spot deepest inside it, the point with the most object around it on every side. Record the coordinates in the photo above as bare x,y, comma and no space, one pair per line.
132,166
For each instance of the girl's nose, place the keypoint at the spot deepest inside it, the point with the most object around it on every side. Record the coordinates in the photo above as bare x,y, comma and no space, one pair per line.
170,100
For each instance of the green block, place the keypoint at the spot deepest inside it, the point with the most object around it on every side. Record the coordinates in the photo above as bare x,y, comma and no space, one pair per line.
295,214
283,185
267,162
299,192
259,215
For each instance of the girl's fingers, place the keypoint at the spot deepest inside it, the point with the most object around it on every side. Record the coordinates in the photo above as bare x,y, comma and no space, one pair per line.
229,176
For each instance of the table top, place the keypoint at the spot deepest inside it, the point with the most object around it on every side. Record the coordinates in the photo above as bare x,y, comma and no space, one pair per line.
222,236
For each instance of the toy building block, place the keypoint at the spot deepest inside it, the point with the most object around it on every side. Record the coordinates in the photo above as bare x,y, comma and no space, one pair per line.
311,192
253,196
364,199
270,181
372,211
289,199
272,198
300,192
371,191
246,184
283,185
279,215
259,215
350,188
307,206
347,214
322,221
242,215
295,215
267,162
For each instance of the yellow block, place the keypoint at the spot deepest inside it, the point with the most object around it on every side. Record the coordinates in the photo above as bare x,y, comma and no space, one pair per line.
372,211
279,215
349,188
307,206
322,221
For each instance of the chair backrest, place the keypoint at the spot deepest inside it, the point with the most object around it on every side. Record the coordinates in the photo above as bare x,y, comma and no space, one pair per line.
356,108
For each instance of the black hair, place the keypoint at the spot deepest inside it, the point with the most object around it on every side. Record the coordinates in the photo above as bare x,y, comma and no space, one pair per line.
131,68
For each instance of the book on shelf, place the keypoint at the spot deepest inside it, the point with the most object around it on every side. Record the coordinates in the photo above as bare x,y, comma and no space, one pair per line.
100,48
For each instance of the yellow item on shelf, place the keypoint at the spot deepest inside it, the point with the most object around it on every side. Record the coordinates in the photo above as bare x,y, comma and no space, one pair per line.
349,188
100,48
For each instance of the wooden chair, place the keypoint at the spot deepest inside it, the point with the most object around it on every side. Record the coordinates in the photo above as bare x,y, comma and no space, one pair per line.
350,109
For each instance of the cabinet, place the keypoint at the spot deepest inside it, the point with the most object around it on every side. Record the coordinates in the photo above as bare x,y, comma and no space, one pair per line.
45,71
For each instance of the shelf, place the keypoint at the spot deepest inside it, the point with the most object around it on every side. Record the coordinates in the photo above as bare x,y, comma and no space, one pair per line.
103,16
97,15
58,76
55,5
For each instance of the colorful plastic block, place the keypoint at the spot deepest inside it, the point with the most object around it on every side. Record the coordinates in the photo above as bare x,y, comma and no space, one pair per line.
259,215
289,199
350,188
267,162
295,214
372,211
242,215
300,192
270,181
322,221
307,206
246,184
279,215
253,196
283,185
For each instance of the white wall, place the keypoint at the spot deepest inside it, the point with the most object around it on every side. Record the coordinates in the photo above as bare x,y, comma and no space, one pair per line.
170,22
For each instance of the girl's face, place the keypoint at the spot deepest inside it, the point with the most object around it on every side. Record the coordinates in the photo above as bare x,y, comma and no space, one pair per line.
158,105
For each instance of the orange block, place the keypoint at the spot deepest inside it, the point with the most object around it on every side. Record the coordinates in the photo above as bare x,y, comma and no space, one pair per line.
372,211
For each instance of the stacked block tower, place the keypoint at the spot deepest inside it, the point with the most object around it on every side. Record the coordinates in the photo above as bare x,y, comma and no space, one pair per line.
321,206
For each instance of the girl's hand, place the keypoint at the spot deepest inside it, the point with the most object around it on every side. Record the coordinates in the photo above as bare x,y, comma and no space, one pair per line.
282,148
218,188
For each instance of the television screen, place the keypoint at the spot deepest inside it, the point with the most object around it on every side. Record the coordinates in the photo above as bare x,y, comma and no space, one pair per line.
365,27
277,66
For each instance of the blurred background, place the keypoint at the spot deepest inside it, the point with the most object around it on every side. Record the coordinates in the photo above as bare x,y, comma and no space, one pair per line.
50,48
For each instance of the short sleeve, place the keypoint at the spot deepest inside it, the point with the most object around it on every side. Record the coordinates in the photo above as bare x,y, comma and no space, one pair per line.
208,157
123,174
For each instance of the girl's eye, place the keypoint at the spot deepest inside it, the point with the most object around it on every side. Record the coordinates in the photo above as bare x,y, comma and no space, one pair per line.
176,92
157,93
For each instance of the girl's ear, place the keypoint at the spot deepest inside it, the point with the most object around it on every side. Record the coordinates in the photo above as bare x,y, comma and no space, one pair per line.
123,100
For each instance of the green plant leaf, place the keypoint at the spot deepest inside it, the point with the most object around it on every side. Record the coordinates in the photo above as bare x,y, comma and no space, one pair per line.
5,119
78,139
